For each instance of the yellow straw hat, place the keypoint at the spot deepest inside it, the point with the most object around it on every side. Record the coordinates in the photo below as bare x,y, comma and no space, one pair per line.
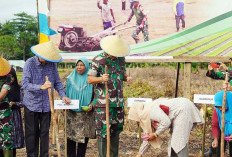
114,45
47,51
4,67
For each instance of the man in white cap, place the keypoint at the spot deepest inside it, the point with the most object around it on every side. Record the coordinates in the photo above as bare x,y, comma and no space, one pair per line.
115,49
141,21
37,110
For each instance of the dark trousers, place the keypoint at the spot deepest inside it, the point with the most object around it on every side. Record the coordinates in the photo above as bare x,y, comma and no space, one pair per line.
124,5
37,129
78,151
14,153
178,18
114,145
218,149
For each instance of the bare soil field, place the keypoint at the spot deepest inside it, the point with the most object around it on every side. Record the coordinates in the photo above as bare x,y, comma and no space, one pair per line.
161,19
162,80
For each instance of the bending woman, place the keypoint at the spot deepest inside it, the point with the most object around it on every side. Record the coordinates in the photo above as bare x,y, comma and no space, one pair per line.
179,114
80,124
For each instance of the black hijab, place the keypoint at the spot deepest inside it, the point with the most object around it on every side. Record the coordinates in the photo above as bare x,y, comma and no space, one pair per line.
14,93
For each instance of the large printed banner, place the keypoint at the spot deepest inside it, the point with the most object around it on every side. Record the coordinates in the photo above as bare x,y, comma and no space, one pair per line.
207,30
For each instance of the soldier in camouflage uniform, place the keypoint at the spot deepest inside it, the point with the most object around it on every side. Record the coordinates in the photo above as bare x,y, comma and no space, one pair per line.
141,21
115,49
219,74
5,111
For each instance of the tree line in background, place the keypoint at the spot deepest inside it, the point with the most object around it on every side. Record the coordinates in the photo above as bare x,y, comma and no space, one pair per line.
17,36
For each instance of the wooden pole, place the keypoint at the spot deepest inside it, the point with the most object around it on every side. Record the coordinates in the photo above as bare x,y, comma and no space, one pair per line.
187,80
37,4
107,117
177,79
223,119
140,140
204,126
65,135
54,119
53,135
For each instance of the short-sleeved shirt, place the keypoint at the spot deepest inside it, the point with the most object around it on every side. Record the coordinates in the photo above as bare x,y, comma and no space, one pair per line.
7,87
106,12
116,69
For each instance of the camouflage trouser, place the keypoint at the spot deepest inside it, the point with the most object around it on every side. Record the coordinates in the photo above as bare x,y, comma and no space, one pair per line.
116,121
136,32
6,129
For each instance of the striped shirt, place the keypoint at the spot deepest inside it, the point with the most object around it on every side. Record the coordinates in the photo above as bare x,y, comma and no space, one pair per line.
34,73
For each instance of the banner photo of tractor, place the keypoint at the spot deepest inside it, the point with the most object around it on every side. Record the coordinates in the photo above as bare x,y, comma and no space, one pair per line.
151,27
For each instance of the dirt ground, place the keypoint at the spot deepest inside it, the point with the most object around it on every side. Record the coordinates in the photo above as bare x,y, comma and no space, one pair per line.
200,84
161,21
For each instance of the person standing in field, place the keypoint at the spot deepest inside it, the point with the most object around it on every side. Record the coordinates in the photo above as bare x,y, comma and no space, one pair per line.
141,21
178,9
115,49
80,124
106,13
37,111
123,4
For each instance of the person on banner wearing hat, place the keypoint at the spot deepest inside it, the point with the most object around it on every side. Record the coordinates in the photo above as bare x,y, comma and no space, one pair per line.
141,21
37,110
6,128
115,49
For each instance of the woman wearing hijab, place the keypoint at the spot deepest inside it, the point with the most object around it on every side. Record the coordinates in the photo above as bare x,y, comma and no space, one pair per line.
179,114
80,124
5,111
216,120
16,105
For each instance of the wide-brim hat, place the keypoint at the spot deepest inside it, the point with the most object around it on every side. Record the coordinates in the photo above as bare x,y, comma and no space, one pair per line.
47,51
4,67
115,46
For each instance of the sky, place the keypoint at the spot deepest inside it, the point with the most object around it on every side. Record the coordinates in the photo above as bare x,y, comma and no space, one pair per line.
10,7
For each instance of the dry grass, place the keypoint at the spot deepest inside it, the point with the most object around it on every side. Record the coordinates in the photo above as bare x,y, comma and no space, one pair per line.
162,79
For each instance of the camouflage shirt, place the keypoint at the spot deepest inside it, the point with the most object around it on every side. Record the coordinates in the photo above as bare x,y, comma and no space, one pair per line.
116,69
221,75
4,85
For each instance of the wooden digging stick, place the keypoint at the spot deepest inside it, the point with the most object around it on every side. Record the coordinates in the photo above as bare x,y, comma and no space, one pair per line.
54,118
65,135
223,119
107,117
140,132
204,127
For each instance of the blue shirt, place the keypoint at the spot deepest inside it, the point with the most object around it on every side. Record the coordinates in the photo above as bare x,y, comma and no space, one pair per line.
34,73
180,8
